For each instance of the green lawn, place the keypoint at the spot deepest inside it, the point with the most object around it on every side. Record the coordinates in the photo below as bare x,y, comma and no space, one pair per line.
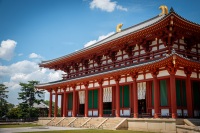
18,125
90,131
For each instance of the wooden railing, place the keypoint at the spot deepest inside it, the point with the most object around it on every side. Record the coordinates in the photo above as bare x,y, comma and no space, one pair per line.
134,60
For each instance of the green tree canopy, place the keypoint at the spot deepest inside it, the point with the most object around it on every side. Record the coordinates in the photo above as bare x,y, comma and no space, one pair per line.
3,101
29,95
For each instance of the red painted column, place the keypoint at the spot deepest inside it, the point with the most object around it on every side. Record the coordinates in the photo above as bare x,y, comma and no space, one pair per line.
50,103
100,81
134,76
173,94
64,104
156,93
86,98
74,102
135,98
61,108
113,100
56,103
188,73
117,79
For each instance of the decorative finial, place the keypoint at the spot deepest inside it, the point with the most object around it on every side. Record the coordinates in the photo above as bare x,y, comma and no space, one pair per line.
118,28
171,9
164,10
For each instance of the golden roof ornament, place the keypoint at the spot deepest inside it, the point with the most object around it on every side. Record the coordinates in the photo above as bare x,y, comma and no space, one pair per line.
118,28
164,10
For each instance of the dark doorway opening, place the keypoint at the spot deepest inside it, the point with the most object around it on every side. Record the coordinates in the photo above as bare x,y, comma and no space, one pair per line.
142,106
81,109
107,108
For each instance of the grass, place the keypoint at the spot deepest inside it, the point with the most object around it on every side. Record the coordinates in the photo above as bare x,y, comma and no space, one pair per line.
18,125
90,131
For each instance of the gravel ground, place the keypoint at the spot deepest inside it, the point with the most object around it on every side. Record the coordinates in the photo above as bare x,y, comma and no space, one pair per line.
32,129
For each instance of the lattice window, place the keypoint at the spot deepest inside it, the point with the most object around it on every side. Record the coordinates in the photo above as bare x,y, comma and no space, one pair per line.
107,94
141,90
82,97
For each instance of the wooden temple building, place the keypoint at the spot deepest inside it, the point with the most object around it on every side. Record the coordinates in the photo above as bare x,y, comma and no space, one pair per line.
151,68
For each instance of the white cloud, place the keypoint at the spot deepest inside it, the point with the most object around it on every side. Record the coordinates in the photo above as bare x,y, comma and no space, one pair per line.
99,39
7,49
34,55
20,54
25,71
106,5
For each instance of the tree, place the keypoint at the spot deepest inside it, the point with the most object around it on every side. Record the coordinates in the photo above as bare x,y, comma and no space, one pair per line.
3,101
53,105
28,96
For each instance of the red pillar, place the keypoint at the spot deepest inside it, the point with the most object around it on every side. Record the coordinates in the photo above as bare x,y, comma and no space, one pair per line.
86,98
173,94
117,79
64,104
188,73
61,109
113,100
50,103
135,99
100,98
74,102
156,93
134,76
56,104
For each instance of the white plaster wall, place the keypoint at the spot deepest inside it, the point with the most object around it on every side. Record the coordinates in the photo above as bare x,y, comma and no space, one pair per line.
90,85
119,58
119,53
140,77
125,56
154,48
112,82
180,73
104,62
182,47
163,73
78,87
136,47
160,41
161,46
142,52
175,46
96,85
129,79
109,61
194,50
136,53
181,41
148,76
194,75
122,80
153,43
82,87
105,83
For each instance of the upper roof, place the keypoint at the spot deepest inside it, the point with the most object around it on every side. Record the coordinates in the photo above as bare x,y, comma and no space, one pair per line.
118,35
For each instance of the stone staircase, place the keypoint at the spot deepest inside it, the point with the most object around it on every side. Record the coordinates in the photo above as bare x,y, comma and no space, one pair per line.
111,123
66,121
44,120
79,121
94,122
189,125
54,121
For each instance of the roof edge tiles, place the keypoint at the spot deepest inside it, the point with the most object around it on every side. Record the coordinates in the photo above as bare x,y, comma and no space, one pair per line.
116,35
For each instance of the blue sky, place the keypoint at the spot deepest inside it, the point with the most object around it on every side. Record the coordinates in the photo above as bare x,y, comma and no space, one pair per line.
36,30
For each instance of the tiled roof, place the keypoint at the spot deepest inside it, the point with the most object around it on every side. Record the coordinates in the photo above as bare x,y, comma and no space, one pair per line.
117,35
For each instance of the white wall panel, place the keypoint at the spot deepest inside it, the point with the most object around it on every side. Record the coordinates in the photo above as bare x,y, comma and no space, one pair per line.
148,76
90,85
180,73
105,83
194,75
122,80
163,73
112,82
140,77
129,79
